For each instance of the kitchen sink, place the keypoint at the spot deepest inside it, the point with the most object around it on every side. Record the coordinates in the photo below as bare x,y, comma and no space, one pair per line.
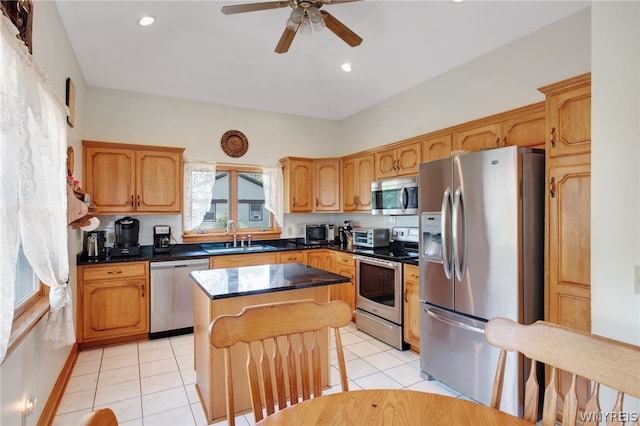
219,248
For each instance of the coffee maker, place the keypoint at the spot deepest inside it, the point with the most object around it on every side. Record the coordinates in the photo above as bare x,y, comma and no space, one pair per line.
126,244
94,245
161,238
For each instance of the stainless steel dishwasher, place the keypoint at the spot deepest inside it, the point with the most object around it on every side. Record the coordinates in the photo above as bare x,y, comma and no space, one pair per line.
171,310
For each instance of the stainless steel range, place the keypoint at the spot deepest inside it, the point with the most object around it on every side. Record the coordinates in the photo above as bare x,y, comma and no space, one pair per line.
380,287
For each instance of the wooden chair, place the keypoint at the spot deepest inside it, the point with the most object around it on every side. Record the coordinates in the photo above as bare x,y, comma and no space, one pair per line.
101,417
295,327
579,356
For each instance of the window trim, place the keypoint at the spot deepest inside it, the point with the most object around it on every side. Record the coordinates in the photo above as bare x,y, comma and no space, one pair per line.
219,234
26,316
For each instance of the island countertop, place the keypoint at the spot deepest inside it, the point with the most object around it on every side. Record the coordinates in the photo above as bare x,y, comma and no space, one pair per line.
248,280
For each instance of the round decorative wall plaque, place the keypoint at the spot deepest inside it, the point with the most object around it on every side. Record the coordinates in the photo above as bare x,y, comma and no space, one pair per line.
234,143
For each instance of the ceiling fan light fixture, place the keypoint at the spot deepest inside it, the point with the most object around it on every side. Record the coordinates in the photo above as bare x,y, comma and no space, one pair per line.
305,26
292,25
297,15
314,15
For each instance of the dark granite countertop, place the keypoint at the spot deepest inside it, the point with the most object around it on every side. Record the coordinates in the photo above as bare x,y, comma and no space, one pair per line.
248,280
194,251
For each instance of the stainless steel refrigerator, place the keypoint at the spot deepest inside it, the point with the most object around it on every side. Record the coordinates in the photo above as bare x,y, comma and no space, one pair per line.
481,256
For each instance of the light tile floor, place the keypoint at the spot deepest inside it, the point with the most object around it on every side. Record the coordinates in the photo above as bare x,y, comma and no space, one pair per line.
152,383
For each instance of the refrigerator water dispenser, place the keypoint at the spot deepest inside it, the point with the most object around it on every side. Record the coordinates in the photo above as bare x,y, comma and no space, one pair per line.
431,236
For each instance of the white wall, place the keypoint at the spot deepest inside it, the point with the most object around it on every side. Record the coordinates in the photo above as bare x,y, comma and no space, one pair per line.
33,368
118,116
615,182
503,79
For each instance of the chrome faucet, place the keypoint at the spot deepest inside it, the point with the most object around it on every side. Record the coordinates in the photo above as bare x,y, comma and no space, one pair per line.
235,230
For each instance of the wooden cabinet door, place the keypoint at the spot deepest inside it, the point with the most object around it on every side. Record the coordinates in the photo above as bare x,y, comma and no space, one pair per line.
412,307
327,185
365,175
386,163
569,116
479,138
408,157
349,184
357,175
569,244
158,181
347,291
321,259
298,185
108,175
437,147
526,131
115,308
398,161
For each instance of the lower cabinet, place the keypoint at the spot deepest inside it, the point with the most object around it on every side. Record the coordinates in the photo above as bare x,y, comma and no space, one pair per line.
345,265
296,256
412,306
113,303
321,259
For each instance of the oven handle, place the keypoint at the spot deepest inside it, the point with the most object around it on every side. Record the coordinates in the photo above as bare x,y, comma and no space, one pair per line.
379,262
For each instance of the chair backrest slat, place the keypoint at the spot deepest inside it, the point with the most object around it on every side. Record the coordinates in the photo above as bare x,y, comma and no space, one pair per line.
284,360
580,357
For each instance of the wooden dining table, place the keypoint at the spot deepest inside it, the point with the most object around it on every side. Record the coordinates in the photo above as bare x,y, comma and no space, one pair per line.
389,407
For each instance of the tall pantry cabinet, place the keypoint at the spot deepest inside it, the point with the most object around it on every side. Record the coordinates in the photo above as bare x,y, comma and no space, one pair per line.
568,203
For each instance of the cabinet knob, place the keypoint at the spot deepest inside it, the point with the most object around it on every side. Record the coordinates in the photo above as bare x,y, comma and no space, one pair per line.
552,187
294,201
131,200
138,200
553,137
498,141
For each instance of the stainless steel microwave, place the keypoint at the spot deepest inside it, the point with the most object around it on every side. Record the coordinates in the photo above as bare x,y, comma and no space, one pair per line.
316,234
397,196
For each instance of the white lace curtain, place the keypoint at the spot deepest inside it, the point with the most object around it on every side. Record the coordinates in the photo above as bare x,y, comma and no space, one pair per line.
199,179
33,143
273,192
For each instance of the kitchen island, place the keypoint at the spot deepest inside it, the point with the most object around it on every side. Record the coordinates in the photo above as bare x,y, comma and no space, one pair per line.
228,291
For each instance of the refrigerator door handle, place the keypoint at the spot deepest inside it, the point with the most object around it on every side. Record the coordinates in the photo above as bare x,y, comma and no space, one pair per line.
452,322
445,212
460,256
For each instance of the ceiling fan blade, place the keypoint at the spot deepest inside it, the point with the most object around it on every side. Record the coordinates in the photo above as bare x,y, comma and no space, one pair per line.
339,29
285,40
252,7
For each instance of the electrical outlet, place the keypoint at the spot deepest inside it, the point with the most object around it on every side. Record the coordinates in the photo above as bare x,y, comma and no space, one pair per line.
637,279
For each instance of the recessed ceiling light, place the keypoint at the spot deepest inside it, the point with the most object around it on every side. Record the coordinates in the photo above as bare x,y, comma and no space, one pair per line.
346,67
458,1
146,20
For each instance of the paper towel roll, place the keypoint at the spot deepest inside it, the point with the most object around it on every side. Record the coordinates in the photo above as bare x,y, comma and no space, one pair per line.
94,222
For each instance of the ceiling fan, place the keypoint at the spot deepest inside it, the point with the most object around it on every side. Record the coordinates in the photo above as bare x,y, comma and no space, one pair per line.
304,15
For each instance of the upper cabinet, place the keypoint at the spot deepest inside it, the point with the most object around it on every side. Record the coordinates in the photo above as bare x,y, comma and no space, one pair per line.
521,127
133,178
357,175
298,184
437,145
398,160
327,185
569,116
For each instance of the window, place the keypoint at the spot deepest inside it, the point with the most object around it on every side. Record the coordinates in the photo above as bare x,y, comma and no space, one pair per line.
27,283
238,194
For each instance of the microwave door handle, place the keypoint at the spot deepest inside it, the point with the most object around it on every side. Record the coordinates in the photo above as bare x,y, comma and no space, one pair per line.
445,212
403,198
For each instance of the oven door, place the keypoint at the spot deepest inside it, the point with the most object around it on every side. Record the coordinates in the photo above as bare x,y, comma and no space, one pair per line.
379,288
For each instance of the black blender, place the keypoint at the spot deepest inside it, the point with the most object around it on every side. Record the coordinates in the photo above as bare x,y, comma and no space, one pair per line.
126,244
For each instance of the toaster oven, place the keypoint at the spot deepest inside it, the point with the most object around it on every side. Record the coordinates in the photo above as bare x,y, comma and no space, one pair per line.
371,238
